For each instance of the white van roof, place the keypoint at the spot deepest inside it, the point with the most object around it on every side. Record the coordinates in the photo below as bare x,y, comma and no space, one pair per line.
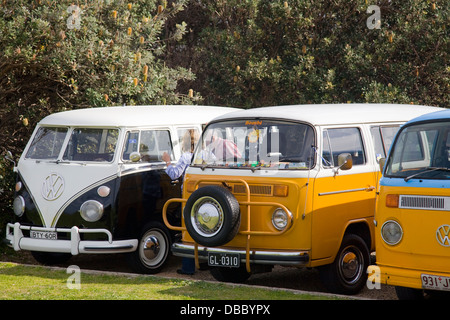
326,114
134,116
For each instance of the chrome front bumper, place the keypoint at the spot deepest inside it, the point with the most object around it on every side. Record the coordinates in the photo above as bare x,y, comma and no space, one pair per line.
16,239
286,258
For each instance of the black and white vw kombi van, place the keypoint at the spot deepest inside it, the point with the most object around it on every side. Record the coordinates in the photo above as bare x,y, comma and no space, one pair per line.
93,181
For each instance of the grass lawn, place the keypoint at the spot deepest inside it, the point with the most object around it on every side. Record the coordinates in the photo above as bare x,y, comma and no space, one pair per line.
23,282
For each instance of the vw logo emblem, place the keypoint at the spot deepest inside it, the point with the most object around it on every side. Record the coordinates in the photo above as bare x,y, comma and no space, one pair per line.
52,187
443,235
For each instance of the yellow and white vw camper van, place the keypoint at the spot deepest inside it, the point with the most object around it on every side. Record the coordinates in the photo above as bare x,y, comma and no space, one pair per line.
93,181
288,185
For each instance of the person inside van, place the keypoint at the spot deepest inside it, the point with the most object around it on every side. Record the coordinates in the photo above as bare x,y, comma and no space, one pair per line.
176,171
188,143
217,148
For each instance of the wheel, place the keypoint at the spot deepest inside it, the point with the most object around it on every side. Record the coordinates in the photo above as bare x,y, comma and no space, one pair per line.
347,274
153,249
50,258
409,293
212,216
235,275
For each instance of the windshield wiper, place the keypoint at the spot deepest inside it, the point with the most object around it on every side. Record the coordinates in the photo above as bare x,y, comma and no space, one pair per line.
428,169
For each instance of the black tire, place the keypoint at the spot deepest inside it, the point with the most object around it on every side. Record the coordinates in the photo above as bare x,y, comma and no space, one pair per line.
234,275
50,258
153,249
348,273
212,216
409,293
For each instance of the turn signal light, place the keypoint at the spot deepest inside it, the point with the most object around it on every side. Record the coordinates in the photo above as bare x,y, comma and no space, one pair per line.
280,190
392,200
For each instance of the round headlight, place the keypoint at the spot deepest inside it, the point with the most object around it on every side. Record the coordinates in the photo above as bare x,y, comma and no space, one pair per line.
280,219
19,206
391,232
91,210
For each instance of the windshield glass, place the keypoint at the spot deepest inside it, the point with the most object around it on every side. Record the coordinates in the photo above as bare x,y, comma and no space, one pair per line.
421,151
87,144
256,144
47,143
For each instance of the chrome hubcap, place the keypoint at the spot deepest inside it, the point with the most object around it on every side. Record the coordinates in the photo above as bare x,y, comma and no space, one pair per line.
151,247
350,265
207,216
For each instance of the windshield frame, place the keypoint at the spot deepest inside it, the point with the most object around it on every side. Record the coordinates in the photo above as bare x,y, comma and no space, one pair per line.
246,122
431,168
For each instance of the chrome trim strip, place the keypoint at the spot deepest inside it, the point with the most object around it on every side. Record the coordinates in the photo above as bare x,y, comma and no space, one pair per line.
346,191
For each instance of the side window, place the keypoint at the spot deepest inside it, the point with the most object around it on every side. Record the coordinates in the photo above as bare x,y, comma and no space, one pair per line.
327,157
131,144
151,144
388,135
181,132
343,140
382,139
377,142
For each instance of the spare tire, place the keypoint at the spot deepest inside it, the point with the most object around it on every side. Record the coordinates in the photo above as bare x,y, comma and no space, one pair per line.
212,216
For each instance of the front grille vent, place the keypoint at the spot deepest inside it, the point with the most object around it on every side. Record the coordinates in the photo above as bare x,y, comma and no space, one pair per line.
425,202
254,189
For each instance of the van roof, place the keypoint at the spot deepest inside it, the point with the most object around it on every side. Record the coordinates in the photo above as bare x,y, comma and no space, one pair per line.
438,115
134,116
325,114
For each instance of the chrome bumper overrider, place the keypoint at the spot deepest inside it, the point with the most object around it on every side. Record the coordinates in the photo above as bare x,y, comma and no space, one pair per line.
287,258
16,239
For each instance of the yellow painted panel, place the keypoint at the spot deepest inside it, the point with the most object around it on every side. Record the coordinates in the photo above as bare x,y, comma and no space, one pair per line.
296,238
419,248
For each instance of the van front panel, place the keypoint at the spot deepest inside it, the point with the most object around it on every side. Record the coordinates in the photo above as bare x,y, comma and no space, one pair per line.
424,245
413,226
54,186
298,235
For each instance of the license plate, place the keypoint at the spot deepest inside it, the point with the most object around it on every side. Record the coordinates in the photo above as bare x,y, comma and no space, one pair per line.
49,235
219,259
435,282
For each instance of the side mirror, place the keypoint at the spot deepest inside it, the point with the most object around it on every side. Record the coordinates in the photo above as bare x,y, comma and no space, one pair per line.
345,162
10,157
135,156
382,162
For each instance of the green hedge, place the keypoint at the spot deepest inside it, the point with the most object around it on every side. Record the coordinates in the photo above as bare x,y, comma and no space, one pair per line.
259,52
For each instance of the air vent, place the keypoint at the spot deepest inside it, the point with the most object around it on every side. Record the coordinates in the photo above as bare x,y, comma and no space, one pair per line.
254,189
425,202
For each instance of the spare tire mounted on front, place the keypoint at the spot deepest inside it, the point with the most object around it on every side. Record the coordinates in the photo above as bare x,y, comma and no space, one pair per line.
212,216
